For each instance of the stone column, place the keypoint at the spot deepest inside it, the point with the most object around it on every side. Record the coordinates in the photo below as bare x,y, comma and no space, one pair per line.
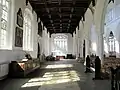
117,49
52,44
77,44
47,43
43,42
87,43
50,50
87,47
100,46
81,48
74,44
99,18
81,41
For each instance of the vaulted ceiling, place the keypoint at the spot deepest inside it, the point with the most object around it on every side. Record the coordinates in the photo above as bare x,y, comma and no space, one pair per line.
60,16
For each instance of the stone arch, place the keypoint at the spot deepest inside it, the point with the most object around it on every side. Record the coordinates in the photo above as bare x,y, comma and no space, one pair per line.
100,14
30,14
115,29
99,19
86,32
89,19
92,9
28,11
28,17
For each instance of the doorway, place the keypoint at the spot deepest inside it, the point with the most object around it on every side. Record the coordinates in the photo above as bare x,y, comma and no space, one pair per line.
38,53
84,49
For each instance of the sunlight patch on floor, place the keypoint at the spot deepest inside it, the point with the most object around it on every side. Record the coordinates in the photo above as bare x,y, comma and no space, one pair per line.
53,78
59,66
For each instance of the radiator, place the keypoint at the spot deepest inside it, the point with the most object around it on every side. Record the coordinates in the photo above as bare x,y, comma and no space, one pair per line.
4,68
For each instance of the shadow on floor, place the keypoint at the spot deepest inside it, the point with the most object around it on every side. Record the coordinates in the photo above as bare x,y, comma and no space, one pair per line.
56,76
16,83
86,83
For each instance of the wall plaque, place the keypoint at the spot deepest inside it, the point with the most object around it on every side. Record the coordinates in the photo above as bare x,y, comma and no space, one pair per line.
18,37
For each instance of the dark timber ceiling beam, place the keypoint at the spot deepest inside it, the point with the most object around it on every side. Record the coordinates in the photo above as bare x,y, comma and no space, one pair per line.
57,5
60,16
111,1
93,3
59,1
48,11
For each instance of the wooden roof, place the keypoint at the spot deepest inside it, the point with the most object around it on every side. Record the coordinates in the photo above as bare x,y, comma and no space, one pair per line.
60,16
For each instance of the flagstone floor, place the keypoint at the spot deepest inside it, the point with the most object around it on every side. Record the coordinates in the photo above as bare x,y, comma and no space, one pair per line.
59,75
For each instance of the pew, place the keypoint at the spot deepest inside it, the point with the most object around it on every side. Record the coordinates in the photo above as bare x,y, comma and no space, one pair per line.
108,63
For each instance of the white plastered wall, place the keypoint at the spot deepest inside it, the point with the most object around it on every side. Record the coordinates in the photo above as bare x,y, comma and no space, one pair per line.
114,26
15,53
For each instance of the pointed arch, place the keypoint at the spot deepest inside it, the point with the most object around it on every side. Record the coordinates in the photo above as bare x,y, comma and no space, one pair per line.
27,30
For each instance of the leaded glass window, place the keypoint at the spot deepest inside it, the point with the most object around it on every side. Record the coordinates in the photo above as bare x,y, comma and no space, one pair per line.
4,14
60,43
111,42
27,44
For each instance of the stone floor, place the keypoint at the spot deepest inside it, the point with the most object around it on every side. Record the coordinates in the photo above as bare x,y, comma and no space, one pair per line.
59,75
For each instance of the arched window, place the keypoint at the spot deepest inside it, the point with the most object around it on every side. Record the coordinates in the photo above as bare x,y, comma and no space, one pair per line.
4,14
111,42
112,51
60,43
27,31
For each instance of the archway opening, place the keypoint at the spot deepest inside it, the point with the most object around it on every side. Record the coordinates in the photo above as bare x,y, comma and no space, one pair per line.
111,32
38,53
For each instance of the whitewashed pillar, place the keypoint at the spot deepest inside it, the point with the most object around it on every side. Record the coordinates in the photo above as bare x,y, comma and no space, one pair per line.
100,46
87,47
50,50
